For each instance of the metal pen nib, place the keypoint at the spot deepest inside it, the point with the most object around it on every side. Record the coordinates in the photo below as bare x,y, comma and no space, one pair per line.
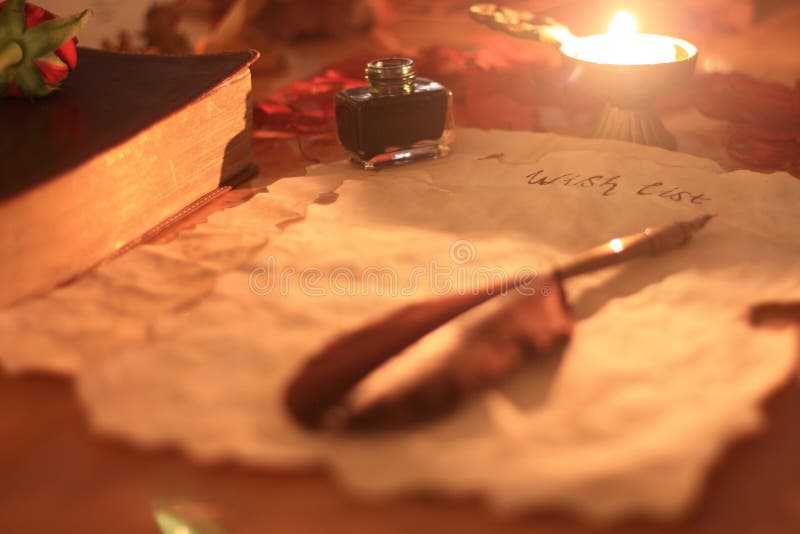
651,242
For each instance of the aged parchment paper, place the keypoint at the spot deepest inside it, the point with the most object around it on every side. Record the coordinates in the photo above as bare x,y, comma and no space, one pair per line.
662,374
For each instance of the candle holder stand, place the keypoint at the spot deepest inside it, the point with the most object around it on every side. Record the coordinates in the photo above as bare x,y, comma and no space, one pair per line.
628,90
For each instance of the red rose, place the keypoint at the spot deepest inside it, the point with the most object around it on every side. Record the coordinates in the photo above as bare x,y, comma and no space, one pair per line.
37,48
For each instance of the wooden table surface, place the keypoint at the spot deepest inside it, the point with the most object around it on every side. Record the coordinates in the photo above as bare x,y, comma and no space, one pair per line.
57,477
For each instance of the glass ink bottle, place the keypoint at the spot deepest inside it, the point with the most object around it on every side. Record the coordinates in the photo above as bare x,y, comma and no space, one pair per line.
395,119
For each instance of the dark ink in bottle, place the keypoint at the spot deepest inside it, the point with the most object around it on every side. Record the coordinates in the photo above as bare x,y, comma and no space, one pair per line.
395,119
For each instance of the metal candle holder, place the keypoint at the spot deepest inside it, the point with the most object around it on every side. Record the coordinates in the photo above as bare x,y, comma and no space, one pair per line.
628,90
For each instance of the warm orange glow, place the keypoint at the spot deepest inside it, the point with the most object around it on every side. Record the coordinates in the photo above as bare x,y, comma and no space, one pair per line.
623,23
622,45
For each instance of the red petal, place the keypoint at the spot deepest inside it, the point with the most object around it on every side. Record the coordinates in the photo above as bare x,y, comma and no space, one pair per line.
68,53
766,155
13,89
52,72
794,168
35,15
269,116
765,132
736,97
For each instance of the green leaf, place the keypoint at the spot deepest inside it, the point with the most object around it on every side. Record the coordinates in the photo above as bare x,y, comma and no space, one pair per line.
12,20
11,54
30,80
18,5
48,36
6,77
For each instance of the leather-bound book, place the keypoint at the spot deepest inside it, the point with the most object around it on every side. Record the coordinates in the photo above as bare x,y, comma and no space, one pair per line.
129,143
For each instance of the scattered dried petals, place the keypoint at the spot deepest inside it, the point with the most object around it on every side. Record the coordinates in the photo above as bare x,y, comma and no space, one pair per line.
762,154
764,116
740,98
503,87
494,88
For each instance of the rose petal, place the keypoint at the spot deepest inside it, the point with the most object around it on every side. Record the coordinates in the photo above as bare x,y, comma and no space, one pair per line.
35,15
494,89
269,116
766,132
13,89
764,155
794,168
68,53
53,73
740,98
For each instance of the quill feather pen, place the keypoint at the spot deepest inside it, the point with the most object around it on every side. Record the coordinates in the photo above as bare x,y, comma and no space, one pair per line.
518,326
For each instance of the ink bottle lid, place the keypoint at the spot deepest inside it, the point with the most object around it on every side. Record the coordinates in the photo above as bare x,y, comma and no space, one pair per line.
398,118
393,75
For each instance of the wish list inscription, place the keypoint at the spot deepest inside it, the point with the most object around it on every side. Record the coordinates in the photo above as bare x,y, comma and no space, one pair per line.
608,185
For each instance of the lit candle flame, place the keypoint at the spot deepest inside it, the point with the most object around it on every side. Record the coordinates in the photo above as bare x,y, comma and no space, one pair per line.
623,23
622,45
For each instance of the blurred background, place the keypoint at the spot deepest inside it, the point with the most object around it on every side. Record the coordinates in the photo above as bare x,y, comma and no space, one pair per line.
312,48
286,31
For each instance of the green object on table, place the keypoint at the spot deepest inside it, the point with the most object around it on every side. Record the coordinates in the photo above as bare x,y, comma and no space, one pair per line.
36,51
